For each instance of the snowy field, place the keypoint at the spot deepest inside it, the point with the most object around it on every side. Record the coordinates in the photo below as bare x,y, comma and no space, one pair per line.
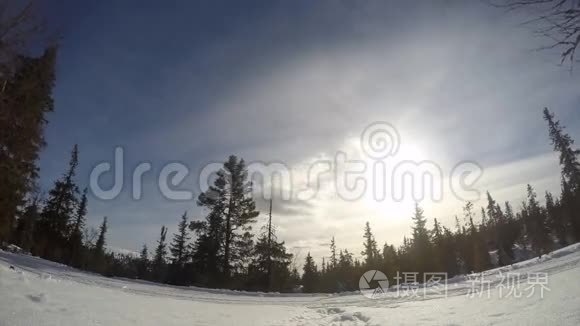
38,292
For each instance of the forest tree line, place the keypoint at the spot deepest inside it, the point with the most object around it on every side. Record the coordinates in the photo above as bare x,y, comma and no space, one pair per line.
223,249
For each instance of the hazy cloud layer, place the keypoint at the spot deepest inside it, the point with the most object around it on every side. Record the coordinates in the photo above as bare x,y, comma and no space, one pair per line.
295,83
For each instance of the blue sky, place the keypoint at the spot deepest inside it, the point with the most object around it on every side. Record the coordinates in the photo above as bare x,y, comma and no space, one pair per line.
290,81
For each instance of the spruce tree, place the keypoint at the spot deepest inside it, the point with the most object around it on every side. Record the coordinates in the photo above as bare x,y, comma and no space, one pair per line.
143,264
179,249
99,250
346,259
207,249
568,156
509,212
570,163
271,237
420,232
101,240
568,210
159,262
498,232
54,225
421,245
179,244
75,241
451,260
537,226
271,265
491,210
556,221
439,252
476,256
244,253
25,100
24,233
389,264
333,257
310,275
512,229
484,220
370,246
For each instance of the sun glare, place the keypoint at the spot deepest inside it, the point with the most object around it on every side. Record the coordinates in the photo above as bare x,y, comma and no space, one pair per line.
379,177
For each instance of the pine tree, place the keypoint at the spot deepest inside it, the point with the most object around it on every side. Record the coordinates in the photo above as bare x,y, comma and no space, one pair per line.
421,246
244,253
498,231
24,233
241,209
143,264
346,259
333,257
568,210
509,212
25,100
207,250
389,263
563,143
420,232
99,250
269,269
179,244
294,279
179,251
310,275
75,241
81,212
458,228
484,220
270,252
437,232
492,212
536,223
448,245
159,263
54,225
477,256
271,265
570,169
370,246
101,240
439,252
556,220
512,229
229,201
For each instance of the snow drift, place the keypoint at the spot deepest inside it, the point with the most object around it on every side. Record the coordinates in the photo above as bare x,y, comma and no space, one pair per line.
34,291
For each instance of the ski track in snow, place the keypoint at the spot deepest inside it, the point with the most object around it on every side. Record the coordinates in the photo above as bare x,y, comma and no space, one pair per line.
40,292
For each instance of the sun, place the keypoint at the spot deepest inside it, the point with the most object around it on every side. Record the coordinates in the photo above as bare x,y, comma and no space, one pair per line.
379,176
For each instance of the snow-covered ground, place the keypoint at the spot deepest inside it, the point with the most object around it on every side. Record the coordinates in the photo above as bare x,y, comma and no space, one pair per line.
38,292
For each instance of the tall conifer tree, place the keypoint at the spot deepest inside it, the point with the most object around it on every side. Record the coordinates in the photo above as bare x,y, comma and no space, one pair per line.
25,100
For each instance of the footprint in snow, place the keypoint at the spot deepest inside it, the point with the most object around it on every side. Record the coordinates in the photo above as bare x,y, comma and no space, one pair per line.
41,298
